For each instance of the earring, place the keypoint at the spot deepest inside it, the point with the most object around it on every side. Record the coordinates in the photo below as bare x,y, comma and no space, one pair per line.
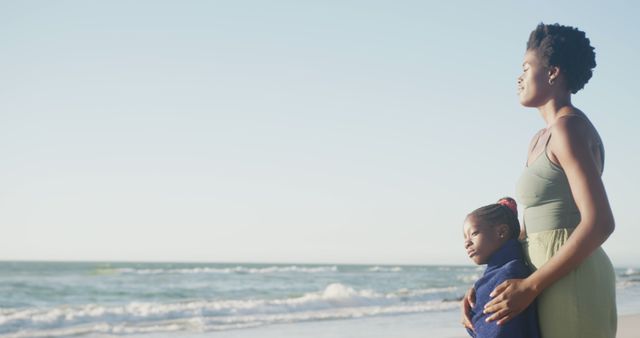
551,81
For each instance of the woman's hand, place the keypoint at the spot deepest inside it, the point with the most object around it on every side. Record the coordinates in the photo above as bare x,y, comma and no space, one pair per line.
468,301
509,299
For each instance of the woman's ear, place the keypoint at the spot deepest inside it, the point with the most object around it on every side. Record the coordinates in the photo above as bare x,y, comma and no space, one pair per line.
553,73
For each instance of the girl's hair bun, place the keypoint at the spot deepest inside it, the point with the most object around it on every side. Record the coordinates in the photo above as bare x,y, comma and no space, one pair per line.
509,203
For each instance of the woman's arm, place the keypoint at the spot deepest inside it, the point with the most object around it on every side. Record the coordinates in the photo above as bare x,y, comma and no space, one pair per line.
570,145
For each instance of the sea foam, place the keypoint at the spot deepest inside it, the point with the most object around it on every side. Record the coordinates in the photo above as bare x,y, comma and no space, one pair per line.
335,301
237,269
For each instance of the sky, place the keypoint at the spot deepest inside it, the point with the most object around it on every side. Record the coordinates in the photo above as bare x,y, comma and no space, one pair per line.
285,131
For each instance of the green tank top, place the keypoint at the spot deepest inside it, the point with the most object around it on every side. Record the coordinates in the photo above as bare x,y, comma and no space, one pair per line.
544,192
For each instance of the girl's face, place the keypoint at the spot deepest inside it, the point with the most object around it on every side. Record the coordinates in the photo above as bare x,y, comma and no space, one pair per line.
533,85
481,240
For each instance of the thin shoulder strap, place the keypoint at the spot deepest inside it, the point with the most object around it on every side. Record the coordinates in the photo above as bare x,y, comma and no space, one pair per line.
602,157
599,141
551,127
546,144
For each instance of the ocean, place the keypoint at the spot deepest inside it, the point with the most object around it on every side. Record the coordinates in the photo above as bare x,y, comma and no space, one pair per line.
56,299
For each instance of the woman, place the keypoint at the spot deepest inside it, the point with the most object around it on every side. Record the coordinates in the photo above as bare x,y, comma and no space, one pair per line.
566,212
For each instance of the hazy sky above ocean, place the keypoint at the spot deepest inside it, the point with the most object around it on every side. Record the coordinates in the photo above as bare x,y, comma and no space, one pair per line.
285,131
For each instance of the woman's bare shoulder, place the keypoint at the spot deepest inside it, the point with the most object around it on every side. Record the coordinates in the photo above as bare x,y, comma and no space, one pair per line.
572,135
575,127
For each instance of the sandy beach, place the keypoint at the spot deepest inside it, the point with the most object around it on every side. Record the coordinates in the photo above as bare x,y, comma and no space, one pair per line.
413,326
628,326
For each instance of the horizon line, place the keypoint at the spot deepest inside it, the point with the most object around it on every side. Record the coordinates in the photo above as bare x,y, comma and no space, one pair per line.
2,260
249,263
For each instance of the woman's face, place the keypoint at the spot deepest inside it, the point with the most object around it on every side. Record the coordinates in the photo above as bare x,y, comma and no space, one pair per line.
533,85
481,240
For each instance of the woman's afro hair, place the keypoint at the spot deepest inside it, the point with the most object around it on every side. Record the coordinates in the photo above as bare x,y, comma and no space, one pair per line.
567,48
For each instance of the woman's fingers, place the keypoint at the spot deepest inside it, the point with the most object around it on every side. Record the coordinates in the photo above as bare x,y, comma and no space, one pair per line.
493,305
499,294
498,315
467,324
466,315
509,299
500,288
505,319
466,305
466,321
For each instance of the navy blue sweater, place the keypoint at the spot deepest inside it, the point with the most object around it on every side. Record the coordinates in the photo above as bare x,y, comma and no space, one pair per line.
506,263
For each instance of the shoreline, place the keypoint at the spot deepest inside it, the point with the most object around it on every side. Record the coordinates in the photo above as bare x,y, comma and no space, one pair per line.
628,327
408,326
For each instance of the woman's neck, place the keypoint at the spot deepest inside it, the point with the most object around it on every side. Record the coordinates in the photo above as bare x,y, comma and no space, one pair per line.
555,108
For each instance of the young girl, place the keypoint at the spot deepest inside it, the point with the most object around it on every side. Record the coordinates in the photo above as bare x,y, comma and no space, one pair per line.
491,237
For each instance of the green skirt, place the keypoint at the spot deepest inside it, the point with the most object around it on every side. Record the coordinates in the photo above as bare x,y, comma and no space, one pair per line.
583,303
